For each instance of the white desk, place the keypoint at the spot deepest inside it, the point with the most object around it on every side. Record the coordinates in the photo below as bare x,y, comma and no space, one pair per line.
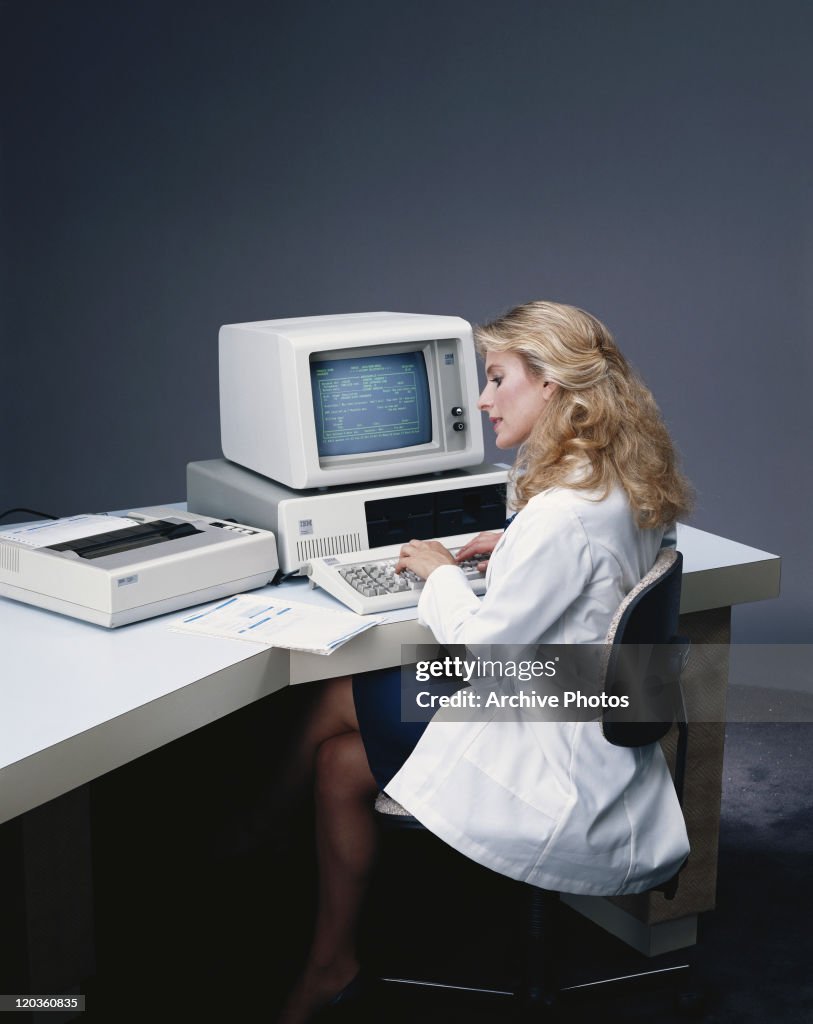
77,701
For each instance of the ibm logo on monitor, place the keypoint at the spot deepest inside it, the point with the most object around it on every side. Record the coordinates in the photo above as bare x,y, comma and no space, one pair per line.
448,359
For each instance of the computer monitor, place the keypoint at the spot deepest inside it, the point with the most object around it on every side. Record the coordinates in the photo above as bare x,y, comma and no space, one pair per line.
347,399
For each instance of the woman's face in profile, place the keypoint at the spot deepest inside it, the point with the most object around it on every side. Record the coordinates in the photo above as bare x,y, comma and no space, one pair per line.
512,399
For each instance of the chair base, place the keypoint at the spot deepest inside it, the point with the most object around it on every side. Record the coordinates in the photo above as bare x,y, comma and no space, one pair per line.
542,991
542,1004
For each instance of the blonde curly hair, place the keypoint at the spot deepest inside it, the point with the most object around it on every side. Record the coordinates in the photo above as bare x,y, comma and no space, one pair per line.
602,416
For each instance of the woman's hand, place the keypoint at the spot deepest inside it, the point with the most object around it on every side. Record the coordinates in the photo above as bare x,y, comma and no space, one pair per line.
423,556
482,544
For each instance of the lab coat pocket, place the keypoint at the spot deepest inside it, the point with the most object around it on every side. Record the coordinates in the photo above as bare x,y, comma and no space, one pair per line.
530,760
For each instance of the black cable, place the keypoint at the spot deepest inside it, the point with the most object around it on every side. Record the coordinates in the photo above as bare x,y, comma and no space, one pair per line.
281,577
29,512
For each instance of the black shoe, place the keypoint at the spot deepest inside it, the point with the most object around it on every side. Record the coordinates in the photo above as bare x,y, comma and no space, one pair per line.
350,998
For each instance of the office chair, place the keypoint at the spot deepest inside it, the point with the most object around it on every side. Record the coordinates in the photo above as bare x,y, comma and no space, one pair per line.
647,616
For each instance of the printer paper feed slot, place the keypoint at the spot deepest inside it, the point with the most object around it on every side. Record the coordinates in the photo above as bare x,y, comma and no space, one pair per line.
132,538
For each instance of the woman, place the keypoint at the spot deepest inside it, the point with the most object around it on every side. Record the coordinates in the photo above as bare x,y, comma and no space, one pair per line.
596,491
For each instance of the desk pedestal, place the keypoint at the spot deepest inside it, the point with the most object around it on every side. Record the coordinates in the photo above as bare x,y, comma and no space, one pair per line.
649,922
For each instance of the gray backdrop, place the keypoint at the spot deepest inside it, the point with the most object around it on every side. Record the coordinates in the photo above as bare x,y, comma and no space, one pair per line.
172,166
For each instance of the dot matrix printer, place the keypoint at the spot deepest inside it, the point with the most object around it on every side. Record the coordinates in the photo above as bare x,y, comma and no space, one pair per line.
112,570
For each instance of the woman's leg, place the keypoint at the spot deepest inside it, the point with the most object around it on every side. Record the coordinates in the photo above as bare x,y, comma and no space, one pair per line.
332,714
346,845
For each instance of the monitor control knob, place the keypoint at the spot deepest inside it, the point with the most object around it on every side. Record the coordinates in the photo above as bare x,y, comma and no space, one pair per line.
457,411
458,426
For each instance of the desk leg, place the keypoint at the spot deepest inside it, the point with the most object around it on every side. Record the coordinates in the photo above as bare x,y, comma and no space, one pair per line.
48,934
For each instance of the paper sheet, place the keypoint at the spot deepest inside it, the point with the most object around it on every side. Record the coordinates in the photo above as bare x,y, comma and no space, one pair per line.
60,531
277,623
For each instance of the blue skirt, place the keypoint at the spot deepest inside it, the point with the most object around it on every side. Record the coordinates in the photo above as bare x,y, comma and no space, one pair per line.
388,740
380,697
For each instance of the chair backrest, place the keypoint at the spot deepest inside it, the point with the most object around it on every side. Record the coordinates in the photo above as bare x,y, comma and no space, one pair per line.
644,657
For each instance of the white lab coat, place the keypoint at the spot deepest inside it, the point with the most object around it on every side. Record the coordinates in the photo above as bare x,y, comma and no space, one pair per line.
551,803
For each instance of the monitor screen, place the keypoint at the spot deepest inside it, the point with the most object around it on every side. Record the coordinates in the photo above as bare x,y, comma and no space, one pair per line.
371,403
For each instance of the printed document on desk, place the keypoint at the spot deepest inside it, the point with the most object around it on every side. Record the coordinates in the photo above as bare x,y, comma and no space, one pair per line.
277,623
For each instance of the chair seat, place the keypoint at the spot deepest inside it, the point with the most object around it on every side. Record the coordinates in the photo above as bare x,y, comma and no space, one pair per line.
393,814
396,816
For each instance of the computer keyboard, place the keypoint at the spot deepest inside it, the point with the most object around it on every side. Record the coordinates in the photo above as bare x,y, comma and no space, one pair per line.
367,583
